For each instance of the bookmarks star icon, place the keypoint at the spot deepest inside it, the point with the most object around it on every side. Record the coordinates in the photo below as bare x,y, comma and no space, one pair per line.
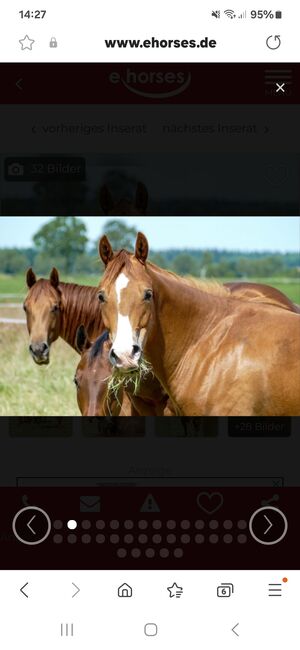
175,591
26,43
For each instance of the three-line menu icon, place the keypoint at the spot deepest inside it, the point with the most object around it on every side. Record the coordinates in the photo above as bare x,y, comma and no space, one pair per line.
66,629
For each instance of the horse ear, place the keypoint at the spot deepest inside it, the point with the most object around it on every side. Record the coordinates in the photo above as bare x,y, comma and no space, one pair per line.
105,250
106,200
30,278
141,198
54,278
82,341
141,247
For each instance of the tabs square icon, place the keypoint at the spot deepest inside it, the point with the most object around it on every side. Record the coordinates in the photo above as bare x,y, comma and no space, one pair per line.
151,629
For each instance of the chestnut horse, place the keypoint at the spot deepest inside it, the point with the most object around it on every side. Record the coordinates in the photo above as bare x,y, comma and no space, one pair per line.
213,354
56,309
91,375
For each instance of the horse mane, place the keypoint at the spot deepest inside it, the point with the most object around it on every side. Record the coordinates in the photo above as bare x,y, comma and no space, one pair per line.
208,286
82,301
123,260
213,287
97,346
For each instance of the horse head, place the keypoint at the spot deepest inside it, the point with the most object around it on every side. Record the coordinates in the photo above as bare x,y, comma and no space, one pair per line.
43,309
92,374
126,299
124,207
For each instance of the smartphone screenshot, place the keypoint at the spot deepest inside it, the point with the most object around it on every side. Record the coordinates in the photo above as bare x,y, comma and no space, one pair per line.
149,326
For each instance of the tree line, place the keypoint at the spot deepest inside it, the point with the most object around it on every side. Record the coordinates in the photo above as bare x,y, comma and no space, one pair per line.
63,242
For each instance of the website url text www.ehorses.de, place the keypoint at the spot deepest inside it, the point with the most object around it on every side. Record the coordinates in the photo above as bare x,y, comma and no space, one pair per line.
157,43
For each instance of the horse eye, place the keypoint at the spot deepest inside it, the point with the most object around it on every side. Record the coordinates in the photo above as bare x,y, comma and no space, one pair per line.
101,296
55,308
24,307
148,295
76,382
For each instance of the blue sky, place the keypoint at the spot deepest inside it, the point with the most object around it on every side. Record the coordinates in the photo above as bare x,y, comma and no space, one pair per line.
239,233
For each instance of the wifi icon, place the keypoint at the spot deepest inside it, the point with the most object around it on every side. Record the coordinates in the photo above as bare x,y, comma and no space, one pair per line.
229,13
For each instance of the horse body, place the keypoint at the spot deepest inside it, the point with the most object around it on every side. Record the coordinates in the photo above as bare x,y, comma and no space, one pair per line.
233,358
213,354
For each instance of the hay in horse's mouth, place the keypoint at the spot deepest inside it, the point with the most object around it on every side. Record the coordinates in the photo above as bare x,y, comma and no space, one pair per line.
128,379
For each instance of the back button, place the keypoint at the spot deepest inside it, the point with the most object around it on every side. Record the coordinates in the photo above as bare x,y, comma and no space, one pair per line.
31,525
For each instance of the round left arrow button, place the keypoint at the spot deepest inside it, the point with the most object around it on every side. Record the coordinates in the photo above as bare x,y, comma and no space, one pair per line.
31,525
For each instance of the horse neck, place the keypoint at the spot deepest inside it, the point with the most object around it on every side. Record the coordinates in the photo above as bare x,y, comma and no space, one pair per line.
80,307
183,314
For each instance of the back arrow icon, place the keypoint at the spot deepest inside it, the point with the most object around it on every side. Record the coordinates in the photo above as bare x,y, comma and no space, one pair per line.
29,526
270,525
19,84
22,590
77,590
233,630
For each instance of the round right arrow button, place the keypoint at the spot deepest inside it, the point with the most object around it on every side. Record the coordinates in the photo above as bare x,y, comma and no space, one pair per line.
268,525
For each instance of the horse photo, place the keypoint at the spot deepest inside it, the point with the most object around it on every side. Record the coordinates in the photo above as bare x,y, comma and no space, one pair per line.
145,332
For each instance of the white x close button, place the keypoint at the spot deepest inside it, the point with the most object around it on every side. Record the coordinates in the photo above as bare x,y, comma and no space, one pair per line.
280,88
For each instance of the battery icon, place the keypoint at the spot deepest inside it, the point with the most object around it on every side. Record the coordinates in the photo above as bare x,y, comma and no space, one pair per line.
278,14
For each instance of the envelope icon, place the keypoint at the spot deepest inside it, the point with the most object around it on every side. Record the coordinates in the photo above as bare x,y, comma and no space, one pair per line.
90,504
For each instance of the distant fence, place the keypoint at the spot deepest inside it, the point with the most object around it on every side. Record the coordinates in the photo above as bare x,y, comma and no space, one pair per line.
15,321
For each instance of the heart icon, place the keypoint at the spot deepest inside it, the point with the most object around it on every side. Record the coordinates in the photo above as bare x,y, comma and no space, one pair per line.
210,502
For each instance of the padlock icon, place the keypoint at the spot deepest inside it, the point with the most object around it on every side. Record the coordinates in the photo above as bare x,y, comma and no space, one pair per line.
53,42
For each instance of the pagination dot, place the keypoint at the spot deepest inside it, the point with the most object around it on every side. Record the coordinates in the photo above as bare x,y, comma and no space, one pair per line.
72,524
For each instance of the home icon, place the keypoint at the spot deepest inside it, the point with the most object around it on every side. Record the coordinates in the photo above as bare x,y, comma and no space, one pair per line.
125,591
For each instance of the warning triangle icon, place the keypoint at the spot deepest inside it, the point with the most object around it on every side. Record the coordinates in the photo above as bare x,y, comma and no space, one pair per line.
150,505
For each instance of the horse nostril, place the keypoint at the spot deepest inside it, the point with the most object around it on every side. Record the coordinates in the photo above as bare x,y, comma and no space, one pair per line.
136,349
39,348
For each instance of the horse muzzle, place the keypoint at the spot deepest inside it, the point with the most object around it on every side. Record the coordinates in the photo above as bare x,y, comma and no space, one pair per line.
40,353
126,361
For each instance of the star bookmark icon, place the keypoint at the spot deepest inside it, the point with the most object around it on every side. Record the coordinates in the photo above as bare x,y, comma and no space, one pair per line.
26,43
175,591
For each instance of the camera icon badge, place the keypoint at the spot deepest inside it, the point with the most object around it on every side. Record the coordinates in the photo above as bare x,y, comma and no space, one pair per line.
15,169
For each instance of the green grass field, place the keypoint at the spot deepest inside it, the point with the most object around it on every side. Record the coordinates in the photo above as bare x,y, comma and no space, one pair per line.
27,389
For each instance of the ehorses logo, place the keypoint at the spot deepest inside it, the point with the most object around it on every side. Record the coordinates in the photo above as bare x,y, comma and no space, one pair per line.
153,84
